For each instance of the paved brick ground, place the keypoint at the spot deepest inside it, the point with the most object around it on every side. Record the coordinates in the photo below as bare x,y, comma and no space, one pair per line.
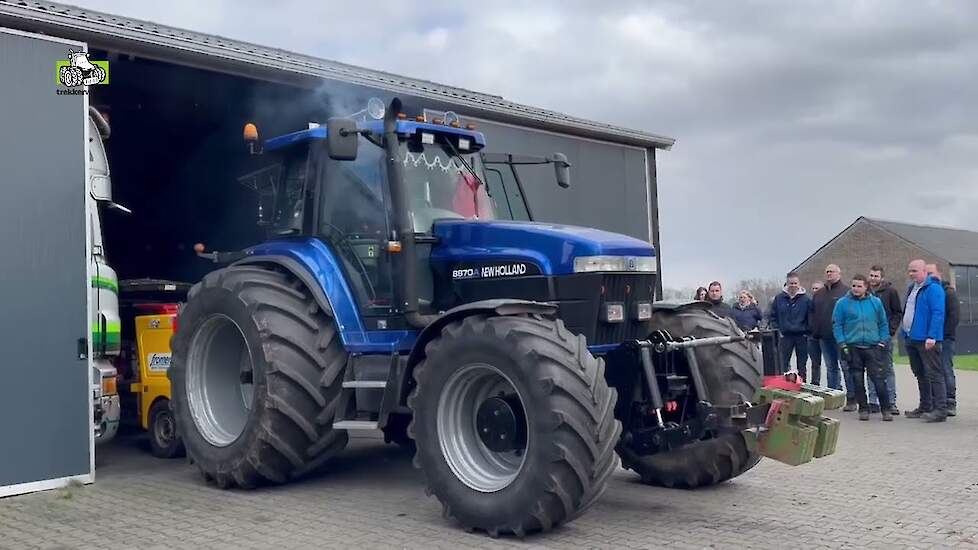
898,485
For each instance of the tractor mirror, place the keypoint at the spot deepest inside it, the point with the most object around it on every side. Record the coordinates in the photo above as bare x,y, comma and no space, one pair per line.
561,169
342,138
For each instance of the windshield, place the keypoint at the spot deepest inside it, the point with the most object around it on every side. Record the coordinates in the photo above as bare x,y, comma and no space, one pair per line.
439,185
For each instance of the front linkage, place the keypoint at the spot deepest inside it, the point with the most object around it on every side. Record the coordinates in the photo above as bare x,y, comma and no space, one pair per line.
783,420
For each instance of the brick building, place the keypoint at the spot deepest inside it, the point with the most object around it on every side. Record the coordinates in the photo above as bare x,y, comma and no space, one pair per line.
893,245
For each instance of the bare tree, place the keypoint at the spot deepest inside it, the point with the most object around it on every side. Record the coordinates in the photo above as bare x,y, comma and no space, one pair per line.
686,293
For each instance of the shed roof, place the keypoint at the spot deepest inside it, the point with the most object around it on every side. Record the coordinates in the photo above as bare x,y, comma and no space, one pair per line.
957,246
217,52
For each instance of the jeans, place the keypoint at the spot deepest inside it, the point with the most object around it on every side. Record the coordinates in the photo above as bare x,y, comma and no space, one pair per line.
947,359
797,343
863,362
830,354
927,367
815,352
889,375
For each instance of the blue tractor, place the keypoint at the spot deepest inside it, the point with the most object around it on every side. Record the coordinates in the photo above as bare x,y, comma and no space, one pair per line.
519,359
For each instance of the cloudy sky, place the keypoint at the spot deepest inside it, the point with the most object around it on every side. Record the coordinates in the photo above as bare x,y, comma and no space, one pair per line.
792,118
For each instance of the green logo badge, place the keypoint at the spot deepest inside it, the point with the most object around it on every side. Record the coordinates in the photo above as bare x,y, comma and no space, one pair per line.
78,70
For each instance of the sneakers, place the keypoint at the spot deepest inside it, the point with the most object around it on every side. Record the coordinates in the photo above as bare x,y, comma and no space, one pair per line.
952,408
934,416
894,410
916,413
851,407
887,417
864,415
874,408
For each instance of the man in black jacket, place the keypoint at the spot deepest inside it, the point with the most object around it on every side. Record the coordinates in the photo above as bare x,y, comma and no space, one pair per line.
952,313
714,295
789,315
893,305
823,303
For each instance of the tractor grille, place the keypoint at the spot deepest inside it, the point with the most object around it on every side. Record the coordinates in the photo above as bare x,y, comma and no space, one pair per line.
627,288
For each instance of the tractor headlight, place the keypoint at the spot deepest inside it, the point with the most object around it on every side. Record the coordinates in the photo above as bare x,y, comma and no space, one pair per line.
613,312
642,311
588,264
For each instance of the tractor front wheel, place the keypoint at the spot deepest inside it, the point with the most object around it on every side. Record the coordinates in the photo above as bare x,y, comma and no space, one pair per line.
514,423
732,374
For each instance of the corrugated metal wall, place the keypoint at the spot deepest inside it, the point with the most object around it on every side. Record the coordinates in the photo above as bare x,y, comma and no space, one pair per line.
45,431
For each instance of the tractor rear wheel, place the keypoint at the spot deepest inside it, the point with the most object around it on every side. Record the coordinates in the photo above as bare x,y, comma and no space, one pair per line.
256,377
514,423
731,373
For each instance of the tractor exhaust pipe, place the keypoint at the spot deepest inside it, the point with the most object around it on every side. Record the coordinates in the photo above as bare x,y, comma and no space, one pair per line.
404,262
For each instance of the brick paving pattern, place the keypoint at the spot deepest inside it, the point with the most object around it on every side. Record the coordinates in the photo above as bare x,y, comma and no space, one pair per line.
899,485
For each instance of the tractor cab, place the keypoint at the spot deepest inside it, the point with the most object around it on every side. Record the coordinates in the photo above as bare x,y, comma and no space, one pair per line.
375,188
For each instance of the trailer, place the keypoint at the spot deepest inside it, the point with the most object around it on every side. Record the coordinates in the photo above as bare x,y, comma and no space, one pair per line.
176,101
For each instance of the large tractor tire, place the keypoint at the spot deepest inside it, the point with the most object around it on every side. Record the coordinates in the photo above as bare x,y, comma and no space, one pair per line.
731,373
256,374
514,423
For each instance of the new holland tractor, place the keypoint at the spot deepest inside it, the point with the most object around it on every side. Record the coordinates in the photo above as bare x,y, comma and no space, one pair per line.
521,359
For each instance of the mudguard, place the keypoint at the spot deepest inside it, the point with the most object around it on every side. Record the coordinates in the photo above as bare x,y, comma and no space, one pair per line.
503,306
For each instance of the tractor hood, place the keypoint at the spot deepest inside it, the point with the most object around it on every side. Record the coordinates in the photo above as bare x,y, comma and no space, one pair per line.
551,247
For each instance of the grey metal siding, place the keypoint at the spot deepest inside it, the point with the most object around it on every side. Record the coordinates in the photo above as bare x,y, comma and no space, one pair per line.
608,181
46,428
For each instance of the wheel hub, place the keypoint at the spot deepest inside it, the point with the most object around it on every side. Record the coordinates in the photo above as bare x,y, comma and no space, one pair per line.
479,397
501,423
165,430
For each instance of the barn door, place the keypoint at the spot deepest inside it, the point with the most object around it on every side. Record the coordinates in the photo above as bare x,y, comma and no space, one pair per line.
45,408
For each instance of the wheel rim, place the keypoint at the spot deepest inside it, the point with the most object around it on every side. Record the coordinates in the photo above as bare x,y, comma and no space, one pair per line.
473,463
164,429
218,392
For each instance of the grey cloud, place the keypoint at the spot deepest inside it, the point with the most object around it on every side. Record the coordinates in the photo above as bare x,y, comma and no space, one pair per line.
792,118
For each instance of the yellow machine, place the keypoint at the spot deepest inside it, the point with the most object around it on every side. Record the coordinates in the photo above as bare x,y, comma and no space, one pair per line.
153,329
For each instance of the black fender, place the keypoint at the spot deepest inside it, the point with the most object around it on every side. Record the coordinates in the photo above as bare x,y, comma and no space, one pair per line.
500,306
296,269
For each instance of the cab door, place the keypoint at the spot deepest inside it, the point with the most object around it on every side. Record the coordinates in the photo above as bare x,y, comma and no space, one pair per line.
505,187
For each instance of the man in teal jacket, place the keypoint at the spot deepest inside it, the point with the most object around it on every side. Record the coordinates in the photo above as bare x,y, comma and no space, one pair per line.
860,327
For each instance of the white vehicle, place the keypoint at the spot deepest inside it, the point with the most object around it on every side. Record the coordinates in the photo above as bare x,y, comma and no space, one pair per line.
104,300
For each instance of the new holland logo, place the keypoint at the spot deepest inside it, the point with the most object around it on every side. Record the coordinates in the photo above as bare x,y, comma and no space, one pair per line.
158,362
78,71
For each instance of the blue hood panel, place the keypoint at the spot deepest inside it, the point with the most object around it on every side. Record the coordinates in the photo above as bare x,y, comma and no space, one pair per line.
552,247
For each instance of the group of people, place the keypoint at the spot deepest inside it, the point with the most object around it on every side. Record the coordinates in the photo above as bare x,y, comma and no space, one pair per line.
851,329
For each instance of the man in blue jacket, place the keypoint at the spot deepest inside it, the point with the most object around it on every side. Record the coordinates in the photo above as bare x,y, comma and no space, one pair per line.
789,315
859,326
923,330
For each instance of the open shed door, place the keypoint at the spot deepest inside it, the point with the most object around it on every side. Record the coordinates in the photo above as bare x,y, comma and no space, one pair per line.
46,420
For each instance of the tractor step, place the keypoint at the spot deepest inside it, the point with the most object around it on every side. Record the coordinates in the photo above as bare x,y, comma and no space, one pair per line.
372,384
355,425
